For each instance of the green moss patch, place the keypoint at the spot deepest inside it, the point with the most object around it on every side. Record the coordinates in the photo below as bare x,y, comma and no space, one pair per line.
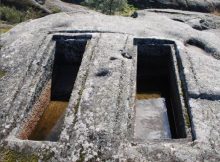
2,73
55,9
12,156
188,124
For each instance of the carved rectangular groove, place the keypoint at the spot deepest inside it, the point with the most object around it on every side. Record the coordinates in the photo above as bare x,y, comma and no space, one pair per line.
158,104
46,119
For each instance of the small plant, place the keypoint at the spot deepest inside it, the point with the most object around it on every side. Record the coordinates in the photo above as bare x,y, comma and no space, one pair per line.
55,10
128,10
109,7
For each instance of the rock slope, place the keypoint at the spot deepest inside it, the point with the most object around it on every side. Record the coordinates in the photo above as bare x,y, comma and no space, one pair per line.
190,5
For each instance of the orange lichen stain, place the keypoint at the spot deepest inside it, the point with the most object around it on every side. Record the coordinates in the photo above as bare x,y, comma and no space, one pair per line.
48,120
150,95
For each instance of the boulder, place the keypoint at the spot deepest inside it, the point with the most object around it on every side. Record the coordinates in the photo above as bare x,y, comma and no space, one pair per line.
190,5
98,124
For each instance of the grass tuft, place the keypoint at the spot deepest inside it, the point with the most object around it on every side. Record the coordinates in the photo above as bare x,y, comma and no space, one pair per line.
128,10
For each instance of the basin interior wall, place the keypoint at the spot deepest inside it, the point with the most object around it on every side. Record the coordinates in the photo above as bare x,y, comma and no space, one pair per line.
67,61
157,92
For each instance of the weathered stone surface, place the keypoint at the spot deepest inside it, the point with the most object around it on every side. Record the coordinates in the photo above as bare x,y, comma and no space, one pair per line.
47,6
205,115
62,6
190,5
99,120
28,3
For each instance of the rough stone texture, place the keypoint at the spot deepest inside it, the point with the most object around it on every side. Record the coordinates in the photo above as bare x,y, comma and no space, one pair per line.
47,6
190,5
62,6
98,123
28,3
208,112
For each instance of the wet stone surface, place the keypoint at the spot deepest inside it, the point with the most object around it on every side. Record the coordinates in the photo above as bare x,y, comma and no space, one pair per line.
151,120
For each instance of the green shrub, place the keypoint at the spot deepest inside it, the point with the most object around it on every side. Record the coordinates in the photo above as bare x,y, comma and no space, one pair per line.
11,15
128,10
106,6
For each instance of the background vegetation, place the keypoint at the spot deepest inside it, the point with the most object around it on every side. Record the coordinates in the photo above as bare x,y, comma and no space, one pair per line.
110,7
106,6
12,15
13,12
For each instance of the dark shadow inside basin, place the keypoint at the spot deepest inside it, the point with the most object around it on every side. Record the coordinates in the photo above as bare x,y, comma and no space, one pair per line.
68,57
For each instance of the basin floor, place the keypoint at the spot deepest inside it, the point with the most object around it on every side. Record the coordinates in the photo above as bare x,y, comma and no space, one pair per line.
49,119
151,120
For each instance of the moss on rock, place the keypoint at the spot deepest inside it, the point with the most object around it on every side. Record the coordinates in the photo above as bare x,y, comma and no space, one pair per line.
2,73
7,155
